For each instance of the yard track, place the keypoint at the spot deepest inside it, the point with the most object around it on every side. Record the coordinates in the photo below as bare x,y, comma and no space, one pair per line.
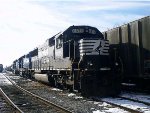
40,100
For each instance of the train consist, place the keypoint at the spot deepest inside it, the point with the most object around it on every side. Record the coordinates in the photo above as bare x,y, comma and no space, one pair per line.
77,59
1,68
84,59
132,41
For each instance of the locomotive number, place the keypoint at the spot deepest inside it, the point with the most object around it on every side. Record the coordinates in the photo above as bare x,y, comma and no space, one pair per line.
90,31
78,31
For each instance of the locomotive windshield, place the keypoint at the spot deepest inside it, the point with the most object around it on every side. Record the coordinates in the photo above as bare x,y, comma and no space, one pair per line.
79,32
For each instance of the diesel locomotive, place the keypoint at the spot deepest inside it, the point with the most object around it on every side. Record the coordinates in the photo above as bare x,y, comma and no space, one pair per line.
77,59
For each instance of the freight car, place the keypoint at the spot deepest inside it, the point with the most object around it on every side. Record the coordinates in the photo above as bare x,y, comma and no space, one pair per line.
1,67
132,43
77,59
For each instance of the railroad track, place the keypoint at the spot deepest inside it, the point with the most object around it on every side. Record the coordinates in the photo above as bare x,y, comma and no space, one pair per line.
134,100
5,105
117,105
113,105
130,105
134,103
25,100
16,109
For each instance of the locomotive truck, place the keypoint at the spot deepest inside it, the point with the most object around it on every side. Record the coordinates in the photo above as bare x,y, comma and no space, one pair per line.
77,59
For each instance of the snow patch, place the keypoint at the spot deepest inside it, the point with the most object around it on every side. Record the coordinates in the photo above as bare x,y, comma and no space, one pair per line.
55,89
140,97
4,80
29,80
78,97
104,104
129,104
115,110
96,102
98,111
74,96
71,94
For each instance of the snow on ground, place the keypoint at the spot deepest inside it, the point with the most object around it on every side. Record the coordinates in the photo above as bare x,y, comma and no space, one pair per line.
4,80
129,104
109,109
78,97
140,97
115,110
96,102
74,96
56,89
71,94
98,111
29,80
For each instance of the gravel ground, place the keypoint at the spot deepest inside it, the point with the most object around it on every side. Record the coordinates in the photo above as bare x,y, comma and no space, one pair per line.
73,102
4,107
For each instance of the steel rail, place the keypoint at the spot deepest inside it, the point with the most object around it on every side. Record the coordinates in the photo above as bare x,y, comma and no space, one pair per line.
18,110
134,100
122,107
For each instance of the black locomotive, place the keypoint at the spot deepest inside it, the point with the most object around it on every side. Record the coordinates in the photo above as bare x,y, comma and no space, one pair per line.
77,59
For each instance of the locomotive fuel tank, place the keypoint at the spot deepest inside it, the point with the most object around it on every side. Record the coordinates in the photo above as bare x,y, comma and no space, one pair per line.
41,77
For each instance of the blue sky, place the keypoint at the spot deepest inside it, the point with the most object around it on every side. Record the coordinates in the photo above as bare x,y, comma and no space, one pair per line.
25,24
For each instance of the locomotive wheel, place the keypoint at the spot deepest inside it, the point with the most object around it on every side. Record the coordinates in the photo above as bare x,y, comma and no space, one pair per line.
51,80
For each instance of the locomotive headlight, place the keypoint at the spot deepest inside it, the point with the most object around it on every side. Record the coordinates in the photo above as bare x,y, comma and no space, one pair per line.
90,64
116,64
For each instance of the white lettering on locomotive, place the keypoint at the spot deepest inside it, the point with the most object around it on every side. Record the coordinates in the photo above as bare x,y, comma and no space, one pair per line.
94,47
90,31
77,30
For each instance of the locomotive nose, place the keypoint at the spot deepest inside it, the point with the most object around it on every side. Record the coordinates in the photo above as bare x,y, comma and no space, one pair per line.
93,47
94,53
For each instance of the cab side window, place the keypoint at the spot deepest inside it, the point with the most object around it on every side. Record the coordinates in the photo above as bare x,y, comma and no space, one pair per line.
59,42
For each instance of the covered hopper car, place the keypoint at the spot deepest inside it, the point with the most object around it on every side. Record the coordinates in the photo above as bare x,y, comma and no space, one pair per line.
132,41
